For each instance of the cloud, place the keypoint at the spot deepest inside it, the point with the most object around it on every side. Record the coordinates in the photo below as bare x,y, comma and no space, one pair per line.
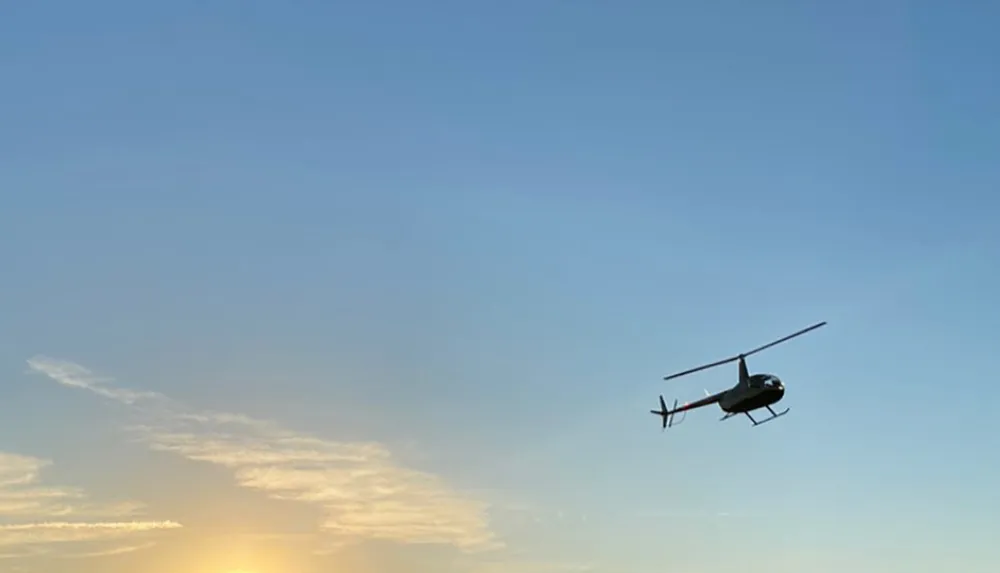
364,494
21,497
34,518
119,550
63,531
696,514
530,567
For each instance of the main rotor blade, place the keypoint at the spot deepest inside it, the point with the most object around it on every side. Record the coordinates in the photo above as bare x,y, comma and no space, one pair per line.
700,368
745,354
780,340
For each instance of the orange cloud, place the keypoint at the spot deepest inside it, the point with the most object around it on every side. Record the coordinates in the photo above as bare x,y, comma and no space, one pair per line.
363,492
34,519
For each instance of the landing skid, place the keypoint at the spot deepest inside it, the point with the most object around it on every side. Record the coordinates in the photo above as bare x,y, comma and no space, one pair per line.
773,415
755,422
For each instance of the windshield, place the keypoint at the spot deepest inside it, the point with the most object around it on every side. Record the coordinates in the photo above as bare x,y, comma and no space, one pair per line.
765,381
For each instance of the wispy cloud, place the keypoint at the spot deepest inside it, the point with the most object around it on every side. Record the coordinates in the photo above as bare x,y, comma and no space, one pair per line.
530,567
21,496
34,517
63,531
362,491
695,514
119,550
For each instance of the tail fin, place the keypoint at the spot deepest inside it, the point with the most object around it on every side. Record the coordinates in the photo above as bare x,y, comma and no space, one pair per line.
664,413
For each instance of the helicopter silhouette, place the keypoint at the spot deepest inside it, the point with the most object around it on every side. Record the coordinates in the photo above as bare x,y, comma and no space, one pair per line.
751,392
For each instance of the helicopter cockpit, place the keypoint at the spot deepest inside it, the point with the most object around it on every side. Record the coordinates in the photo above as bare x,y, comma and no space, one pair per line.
765,381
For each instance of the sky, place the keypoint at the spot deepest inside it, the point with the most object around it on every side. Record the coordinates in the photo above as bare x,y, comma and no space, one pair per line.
391,287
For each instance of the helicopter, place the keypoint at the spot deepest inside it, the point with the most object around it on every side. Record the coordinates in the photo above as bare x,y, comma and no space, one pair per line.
751,392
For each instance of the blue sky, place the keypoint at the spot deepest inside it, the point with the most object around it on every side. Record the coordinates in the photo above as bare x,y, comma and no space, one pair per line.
449,251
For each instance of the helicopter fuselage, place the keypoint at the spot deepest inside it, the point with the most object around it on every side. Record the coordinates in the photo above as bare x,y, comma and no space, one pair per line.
761,391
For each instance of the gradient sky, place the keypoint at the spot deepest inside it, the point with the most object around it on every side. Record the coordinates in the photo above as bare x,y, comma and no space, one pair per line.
390,287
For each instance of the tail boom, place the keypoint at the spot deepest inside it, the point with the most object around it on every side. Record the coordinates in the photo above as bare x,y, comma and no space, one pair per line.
668,414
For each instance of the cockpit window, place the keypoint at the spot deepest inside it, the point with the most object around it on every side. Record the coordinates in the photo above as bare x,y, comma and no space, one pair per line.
764,381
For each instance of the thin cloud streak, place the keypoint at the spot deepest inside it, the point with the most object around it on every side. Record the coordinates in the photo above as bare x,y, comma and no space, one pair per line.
531,567
62,532
40,540
21,497
34,517
120,550
363,493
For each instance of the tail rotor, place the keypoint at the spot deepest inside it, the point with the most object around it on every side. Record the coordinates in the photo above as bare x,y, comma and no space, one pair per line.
667,415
